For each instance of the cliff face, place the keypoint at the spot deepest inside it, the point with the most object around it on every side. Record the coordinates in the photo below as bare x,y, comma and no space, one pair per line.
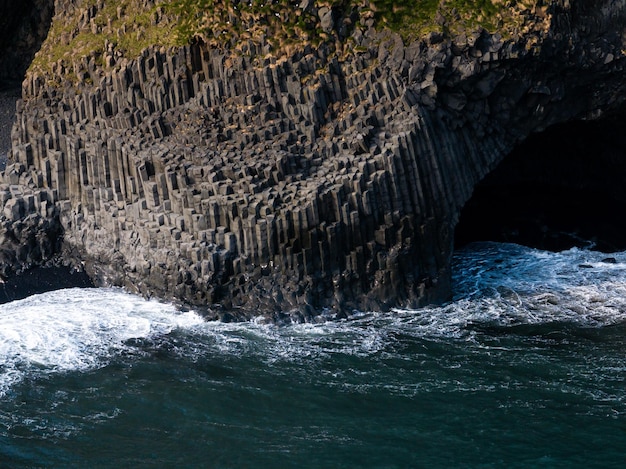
315,180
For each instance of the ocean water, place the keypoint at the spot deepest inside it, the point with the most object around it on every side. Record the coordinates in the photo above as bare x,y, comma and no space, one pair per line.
525,368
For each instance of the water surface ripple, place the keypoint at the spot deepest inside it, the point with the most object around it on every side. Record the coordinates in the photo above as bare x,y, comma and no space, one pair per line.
525,368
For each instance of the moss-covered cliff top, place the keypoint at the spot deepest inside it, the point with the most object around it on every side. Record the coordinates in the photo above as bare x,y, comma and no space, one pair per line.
107,30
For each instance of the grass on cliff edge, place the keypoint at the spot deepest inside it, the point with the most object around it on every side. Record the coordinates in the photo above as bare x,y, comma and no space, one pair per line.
132,25
284,18
410,18
86,30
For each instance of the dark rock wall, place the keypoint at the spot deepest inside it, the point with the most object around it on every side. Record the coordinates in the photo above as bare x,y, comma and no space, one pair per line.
298,184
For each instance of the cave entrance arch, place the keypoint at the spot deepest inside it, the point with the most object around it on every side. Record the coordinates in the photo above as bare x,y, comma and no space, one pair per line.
561,188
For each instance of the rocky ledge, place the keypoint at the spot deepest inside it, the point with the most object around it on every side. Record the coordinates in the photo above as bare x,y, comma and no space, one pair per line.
252,184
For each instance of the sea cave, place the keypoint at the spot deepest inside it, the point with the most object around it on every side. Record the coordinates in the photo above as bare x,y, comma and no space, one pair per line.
560,188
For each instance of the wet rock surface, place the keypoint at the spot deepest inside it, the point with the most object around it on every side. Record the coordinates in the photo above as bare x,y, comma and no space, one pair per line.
254,185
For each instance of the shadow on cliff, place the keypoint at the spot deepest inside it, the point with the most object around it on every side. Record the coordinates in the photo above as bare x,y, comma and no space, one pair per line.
559,189
41,280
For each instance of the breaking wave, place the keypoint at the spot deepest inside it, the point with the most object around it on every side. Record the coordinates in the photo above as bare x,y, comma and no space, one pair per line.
498,289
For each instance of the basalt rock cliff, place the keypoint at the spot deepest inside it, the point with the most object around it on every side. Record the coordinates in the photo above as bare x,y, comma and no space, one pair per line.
325,177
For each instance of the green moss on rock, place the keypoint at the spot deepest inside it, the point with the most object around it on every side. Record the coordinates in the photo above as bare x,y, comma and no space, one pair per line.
104,31
97,28
415,18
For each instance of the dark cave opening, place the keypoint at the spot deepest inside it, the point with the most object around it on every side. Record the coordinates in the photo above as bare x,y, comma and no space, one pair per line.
561,188
24,26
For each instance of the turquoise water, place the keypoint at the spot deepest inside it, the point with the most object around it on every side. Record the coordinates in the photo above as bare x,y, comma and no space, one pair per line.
526,368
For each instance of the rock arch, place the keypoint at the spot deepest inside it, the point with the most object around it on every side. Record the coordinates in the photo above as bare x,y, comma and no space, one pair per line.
302,183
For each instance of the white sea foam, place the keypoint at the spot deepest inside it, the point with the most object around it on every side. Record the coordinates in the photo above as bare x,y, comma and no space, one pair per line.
497,285
518,284
77,329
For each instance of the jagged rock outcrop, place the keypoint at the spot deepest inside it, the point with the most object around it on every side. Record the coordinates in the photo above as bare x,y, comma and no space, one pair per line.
312,181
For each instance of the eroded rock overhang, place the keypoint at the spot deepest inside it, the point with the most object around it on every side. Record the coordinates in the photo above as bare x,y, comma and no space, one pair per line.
294,185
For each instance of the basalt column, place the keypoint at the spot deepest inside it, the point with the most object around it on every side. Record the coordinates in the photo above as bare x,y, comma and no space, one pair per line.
30,238
296,184
23,27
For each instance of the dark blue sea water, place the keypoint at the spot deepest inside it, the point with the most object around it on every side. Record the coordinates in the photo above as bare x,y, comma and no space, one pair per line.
526,368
